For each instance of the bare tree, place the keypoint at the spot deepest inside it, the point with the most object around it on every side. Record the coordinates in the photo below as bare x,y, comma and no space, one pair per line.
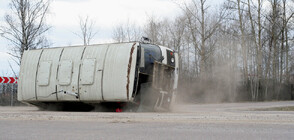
126,32
257,39
119,34
133,31
177,31
202,26
153,29
243,46
288,14
25,26
87,30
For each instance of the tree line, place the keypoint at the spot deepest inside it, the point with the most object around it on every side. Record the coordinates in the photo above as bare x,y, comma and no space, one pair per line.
240,50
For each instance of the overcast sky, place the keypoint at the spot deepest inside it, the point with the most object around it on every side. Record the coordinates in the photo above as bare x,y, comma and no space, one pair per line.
64,19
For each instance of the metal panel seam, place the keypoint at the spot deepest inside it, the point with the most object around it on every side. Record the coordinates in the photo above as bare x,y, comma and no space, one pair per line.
79,73
57,69
37,74
102,76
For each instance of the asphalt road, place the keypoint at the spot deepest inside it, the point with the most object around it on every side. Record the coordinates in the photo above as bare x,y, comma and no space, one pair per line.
206,121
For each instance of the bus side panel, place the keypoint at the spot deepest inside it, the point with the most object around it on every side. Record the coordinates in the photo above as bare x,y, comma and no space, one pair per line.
119,72
91,73
27,75
47,72
68,72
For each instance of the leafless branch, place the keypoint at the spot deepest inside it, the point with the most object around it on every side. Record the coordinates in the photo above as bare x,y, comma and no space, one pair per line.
25,25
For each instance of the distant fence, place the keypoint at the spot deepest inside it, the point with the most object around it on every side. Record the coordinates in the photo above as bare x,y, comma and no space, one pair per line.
8,94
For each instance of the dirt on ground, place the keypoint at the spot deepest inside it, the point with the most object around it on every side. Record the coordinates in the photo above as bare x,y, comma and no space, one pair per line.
264,120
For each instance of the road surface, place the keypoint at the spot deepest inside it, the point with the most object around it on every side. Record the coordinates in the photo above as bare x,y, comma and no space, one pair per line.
240,121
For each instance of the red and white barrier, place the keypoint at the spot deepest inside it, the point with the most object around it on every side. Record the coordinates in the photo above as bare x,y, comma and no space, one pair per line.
10,80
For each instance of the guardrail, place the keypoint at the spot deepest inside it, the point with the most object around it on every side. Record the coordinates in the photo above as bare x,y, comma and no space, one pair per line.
8,91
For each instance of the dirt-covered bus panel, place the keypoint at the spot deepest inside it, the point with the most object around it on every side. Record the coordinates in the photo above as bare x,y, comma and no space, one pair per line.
122,76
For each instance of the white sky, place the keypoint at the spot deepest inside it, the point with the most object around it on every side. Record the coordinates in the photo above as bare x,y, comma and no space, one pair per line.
64,19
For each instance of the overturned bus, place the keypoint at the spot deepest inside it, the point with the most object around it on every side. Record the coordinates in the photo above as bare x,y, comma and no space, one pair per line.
122,76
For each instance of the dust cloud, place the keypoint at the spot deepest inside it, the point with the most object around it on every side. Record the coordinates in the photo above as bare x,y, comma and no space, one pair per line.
221,84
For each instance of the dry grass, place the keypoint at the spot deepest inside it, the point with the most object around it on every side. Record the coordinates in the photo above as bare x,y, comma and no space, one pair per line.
286,108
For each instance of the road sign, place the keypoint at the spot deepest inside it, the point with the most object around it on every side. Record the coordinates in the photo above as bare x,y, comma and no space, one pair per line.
10,80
